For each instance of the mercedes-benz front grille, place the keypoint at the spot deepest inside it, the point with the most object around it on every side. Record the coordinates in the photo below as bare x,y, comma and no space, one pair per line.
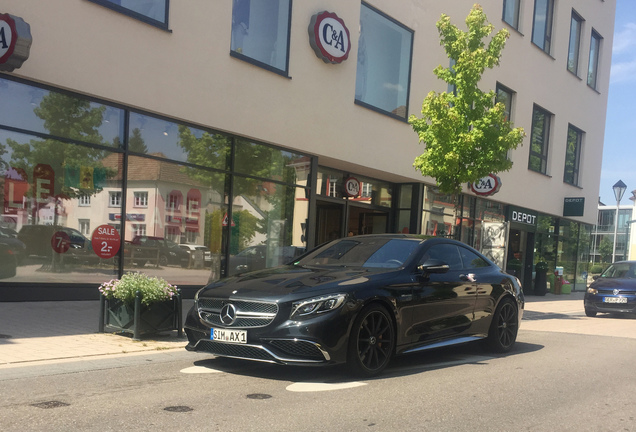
249,314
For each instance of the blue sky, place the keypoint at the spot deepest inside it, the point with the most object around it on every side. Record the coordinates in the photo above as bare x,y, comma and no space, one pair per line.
619,151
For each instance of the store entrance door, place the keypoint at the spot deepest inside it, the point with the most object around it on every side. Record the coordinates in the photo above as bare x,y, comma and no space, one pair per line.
520,257
331,222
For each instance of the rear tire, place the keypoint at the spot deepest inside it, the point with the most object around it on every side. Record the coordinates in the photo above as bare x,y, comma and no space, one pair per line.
504,327
371,342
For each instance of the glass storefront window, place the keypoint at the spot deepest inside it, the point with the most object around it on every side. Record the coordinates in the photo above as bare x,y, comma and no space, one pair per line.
54,197
58,114
259,160
166,139
267,227
184,207
438,214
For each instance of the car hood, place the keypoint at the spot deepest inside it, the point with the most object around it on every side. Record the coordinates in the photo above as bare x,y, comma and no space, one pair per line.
291,281
612,283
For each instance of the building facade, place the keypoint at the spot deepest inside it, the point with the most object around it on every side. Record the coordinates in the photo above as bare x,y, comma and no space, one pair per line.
261,128
603,234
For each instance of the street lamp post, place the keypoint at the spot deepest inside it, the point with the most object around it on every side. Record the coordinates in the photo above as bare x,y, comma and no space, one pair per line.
619,190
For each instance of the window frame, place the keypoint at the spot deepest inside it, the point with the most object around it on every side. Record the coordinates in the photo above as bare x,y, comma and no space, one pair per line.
410,67
84,201
574,177
545,144
136,15
516,13
575,51
138,196
596,36
549,23
114,199
261,64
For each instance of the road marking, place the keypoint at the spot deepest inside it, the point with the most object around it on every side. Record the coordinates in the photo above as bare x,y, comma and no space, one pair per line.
199,370
316,387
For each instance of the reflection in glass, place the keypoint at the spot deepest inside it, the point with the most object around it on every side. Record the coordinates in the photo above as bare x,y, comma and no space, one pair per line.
384,62
259,160
268,223
180,225
52,194
34,109
260,31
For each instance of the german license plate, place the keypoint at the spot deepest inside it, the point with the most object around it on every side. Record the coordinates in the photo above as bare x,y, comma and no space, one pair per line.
614,299
229,336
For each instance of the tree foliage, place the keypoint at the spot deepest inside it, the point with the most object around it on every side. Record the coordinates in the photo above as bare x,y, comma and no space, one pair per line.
467,134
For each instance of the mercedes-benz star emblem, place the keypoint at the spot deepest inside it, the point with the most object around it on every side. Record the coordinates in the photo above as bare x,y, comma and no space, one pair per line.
228,314
616,292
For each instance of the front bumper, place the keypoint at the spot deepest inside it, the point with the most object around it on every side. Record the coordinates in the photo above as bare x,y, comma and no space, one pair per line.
321,340
597,303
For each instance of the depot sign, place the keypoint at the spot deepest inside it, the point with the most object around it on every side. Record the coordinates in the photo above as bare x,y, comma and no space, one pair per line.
15,42
522,216
329,37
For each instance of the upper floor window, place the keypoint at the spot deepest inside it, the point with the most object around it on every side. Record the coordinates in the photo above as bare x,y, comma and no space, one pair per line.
539,140
542,27
573,156
592,70
260,32
511,12
114,199
141,199
153,12
575,41
84,200
504,96
384,63
173,201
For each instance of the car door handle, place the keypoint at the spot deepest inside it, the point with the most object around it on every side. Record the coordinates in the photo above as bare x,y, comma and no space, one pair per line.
470,277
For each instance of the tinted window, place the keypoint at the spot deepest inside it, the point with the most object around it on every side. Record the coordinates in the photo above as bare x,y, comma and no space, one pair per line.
471,260
260,32
384,63
447,253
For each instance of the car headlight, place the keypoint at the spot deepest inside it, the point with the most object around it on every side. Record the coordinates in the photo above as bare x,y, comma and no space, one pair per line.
591,290
317,305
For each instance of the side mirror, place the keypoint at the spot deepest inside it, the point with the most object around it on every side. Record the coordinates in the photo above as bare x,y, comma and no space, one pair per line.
595,277
433,266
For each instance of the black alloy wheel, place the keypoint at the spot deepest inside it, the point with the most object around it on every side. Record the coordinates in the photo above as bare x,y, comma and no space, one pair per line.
504,327
163,260
371,342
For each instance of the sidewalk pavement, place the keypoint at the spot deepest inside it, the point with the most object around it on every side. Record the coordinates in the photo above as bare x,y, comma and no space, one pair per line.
67,330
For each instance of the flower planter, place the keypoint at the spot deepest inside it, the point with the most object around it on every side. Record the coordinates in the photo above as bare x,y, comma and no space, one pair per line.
138,319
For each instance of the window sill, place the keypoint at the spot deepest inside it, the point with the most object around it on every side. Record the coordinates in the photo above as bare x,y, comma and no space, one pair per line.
262,65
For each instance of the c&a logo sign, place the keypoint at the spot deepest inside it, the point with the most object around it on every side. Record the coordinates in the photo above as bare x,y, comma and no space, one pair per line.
329,37
15,42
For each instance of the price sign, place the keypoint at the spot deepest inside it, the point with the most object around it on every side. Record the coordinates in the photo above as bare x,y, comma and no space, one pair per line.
105,241
60,242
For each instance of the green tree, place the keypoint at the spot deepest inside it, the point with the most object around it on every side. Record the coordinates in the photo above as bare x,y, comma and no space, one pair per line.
605,249
467,134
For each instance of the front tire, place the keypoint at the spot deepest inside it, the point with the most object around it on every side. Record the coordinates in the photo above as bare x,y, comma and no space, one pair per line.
371,342
504,327
590,313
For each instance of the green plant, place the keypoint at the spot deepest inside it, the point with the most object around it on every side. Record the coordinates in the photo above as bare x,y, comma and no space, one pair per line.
541,266
151,289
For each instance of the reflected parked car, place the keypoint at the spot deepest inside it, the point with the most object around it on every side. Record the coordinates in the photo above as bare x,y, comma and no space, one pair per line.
256,258
192,248
360,301
9,237
614,291
8,261
37,239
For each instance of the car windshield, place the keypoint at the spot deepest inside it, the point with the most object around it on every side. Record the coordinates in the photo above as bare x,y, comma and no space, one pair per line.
362,252
620,270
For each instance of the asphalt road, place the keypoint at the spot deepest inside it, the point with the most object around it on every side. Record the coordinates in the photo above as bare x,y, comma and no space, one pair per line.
551,381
